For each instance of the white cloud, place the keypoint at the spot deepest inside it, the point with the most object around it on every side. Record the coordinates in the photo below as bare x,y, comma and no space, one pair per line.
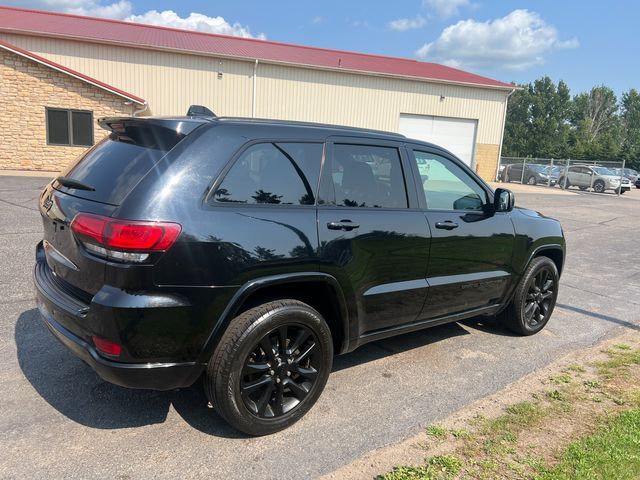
195,21
517,41
404,24
317,19
123,10
446,8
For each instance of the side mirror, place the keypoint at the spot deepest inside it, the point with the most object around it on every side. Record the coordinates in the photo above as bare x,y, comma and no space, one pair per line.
503,200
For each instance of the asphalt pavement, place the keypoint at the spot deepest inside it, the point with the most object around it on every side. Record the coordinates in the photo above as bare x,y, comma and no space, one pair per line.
58,419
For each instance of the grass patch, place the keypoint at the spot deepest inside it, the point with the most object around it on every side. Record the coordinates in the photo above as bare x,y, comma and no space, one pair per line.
576,368
437,431
440,467
618,359
460,433
562,378
523,440
613,452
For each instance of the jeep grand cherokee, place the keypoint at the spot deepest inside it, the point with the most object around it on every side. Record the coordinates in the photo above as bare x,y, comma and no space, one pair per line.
248,252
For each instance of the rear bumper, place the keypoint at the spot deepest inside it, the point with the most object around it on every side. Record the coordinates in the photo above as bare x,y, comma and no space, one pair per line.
153,376
72,321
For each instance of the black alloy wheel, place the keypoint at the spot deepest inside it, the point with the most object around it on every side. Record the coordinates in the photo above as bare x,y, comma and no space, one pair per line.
270,366
280,371
539,297
534,298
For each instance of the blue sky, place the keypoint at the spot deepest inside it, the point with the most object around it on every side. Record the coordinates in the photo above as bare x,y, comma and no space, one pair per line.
585,43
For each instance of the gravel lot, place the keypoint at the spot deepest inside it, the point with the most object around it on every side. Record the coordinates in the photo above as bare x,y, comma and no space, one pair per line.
58,419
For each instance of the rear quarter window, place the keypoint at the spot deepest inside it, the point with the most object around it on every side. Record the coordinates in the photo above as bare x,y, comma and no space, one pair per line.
273,173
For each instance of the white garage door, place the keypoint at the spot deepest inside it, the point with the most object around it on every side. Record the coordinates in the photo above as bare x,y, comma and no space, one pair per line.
458,135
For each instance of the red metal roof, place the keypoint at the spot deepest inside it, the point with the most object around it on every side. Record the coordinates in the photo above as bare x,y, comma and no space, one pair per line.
99,30
61,68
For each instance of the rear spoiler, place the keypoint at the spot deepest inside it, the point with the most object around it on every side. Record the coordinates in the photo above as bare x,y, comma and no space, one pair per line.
162,133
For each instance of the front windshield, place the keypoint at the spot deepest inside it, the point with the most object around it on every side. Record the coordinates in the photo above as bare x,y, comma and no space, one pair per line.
538,168
629,171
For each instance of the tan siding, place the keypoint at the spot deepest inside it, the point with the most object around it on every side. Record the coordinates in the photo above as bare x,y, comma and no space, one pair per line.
170,82
372,102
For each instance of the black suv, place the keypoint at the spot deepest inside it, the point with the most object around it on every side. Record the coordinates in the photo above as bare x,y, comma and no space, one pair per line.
250,251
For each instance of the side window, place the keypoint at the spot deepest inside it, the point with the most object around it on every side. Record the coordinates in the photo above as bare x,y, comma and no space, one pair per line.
446,185
273,173
368,176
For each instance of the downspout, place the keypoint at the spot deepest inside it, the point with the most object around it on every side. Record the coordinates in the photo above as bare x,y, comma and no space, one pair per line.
253,99
145,107
504,125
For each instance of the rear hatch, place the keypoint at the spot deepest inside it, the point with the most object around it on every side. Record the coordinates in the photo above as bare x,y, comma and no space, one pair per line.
97,183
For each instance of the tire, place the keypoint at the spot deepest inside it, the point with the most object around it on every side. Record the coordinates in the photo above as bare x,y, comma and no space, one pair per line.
532,180
598,186
240,362
529,310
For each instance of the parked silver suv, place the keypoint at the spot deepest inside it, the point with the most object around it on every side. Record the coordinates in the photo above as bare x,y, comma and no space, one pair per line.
598,178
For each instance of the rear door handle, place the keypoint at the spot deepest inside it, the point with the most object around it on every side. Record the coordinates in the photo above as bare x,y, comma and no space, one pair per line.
342,225
446,225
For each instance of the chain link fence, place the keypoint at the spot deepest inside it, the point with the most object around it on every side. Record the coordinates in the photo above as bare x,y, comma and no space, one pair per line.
593,176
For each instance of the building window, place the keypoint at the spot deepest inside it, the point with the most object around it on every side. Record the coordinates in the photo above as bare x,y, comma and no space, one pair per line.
69,127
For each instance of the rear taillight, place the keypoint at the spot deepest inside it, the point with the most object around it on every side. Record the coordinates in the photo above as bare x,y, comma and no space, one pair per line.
123,240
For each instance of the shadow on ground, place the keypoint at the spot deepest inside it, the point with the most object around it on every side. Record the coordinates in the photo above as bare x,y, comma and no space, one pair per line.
76,391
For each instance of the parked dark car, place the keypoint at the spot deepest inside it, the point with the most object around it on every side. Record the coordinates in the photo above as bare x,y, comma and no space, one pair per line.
249,252
533,174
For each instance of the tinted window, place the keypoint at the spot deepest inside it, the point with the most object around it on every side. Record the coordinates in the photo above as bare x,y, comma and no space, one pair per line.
69,127
81,128
368,176
273,173
446,185
58,127
116,164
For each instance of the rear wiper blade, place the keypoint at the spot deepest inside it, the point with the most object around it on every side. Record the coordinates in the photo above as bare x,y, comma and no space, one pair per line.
71,183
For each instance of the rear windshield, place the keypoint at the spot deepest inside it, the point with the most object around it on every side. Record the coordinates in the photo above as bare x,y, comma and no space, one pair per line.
116,164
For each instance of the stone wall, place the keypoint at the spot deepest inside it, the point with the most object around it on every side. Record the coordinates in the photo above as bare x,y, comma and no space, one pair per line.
26,88
487,161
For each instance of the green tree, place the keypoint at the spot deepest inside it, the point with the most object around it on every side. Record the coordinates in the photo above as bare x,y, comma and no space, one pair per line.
596,132
537,123
630,121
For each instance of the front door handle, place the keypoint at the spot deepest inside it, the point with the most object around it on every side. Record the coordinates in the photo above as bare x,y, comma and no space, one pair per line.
446,225
342,225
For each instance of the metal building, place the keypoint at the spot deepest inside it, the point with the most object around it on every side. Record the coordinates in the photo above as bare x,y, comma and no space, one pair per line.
62,72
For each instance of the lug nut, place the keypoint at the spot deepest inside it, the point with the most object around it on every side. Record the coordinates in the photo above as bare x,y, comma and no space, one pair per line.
277,380
288,374
271,372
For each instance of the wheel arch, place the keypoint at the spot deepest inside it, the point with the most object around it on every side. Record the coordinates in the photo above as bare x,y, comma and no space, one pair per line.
319,290
553,252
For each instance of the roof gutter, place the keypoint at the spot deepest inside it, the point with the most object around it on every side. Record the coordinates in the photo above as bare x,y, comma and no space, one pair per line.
144,108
